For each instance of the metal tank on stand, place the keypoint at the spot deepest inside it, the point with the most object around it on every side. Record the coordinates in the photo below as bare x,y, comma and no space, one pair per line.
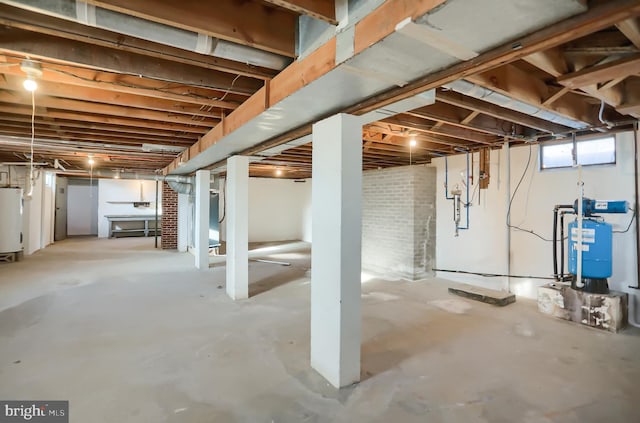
11,211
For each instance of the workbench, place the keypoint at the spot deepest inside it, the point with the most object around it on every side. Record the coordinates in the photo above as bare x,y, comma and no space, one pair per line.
141,224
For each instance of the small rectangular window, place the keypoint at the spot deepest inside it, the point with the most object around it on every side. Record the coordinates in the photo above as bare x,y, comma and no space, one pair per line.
590,152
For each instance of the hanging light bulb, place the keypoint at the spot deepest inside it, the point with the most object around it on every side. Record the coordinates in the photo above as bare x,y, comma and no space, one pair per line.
30,84
33,71
90,160
413,142
278,172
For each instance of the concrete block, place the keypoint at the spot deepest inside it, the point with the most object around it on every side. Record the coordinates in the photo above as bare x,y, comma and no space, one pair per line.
489,296
603,311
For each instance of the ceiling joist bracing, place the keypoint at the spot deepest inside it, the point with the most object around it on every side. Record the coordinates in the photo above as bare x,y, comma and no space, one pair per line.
112,91
320,9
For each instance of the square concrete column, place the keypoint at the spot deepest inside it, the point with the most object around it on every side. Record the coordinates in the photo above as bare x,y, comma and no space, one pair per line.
335,254
237,201
201,236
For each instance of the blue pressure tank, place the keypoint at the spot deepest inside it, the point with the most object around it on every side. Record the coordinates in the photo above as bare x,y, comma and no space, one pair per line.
596,249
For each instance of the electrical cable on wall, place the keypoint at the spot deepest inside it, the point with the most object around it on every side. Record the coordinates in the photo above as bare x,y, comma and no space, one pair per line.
224,201
515,227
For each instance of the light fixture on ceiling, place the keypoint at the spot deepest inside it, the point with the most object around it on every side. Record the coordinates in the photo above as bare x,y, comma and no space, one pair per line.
90,160
278,172
33,71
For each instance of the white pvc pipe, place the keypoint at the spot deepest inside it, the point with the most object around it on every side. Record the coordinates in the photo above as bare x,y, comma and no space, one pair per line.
507,178
579,243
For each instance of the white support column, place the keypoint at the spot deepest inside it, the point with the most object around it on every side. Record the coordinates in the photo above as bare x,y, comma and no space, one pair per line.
237,201
183,222
201,236
335,255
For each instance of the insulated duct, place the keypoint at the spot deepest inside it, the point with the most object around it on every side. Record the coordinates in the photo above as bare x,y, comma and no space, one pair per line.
476,91
178,183
88,14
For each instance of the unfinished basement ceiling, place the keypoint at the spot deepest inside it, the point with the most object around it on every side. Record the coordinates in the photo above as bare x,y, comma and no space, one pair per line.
139,84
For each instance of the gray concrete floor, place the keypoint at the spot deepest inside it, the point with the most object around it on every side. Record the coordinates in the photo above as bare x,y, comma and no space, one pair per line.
132,334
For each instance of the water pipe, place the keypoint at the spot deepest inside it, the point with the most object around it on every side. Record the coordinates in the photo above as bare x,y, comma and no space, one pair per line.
467,203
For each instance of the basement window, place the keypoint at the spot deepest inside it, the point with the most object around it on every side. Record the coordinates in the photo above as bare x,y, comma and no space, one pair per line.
590,152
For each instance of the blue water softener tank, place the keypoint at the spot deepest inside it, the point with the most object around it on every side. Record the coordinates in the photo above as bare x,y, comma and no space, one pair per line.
596,249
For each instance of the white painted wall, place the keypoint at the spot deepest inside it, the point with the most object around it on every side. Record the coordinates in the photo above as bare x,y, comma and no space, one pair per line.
82,208
279,210
113,192
482,248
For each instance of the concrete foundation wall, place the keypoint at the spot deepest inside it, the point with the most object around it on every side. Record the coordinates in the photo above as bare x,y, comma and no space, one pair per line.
279,210
398,221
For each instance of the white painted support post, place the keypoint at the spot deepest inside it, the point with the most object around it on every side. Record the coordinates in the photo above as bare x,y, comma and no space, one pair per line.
201,236
237,201
183,222
335,255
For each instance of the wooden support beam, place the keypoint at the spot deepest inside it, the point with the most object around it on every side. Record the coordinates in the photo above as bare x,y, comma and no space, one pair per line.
380,23
596,18
324,10
418,123
82,126
631,29
30,21
113,98
520,85
459,100
551,61
117,83
471,116
555,66
126,122
553,97
66,130
620,68
244,22
38,46
453,116
104,109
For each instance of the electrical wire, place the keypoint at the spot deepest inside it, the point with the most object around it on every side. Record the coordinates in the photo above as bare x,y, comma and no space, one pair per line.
33,137
224,201
493,275
629,225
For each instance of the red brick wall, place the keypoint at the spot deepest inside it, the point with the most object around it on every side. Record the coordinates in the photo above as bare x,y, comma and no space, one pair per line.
169,238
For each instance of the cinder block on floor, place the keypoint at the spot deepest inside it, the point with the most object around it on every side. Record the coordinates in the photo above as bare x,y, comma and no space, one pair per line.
602,311
489,296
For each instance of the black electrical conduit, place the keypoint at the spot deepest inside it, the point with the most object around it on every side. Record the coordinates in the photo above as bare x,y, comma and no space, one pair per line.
562,276
635,174
556,209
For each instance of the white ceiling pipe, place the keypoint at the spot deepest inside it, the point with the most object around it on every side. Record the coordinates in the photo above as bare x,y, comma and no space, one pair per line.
476,91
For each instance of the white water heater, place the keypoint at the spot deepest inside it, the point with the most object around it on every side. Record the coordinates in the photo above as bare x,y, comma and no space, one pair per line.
11,205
